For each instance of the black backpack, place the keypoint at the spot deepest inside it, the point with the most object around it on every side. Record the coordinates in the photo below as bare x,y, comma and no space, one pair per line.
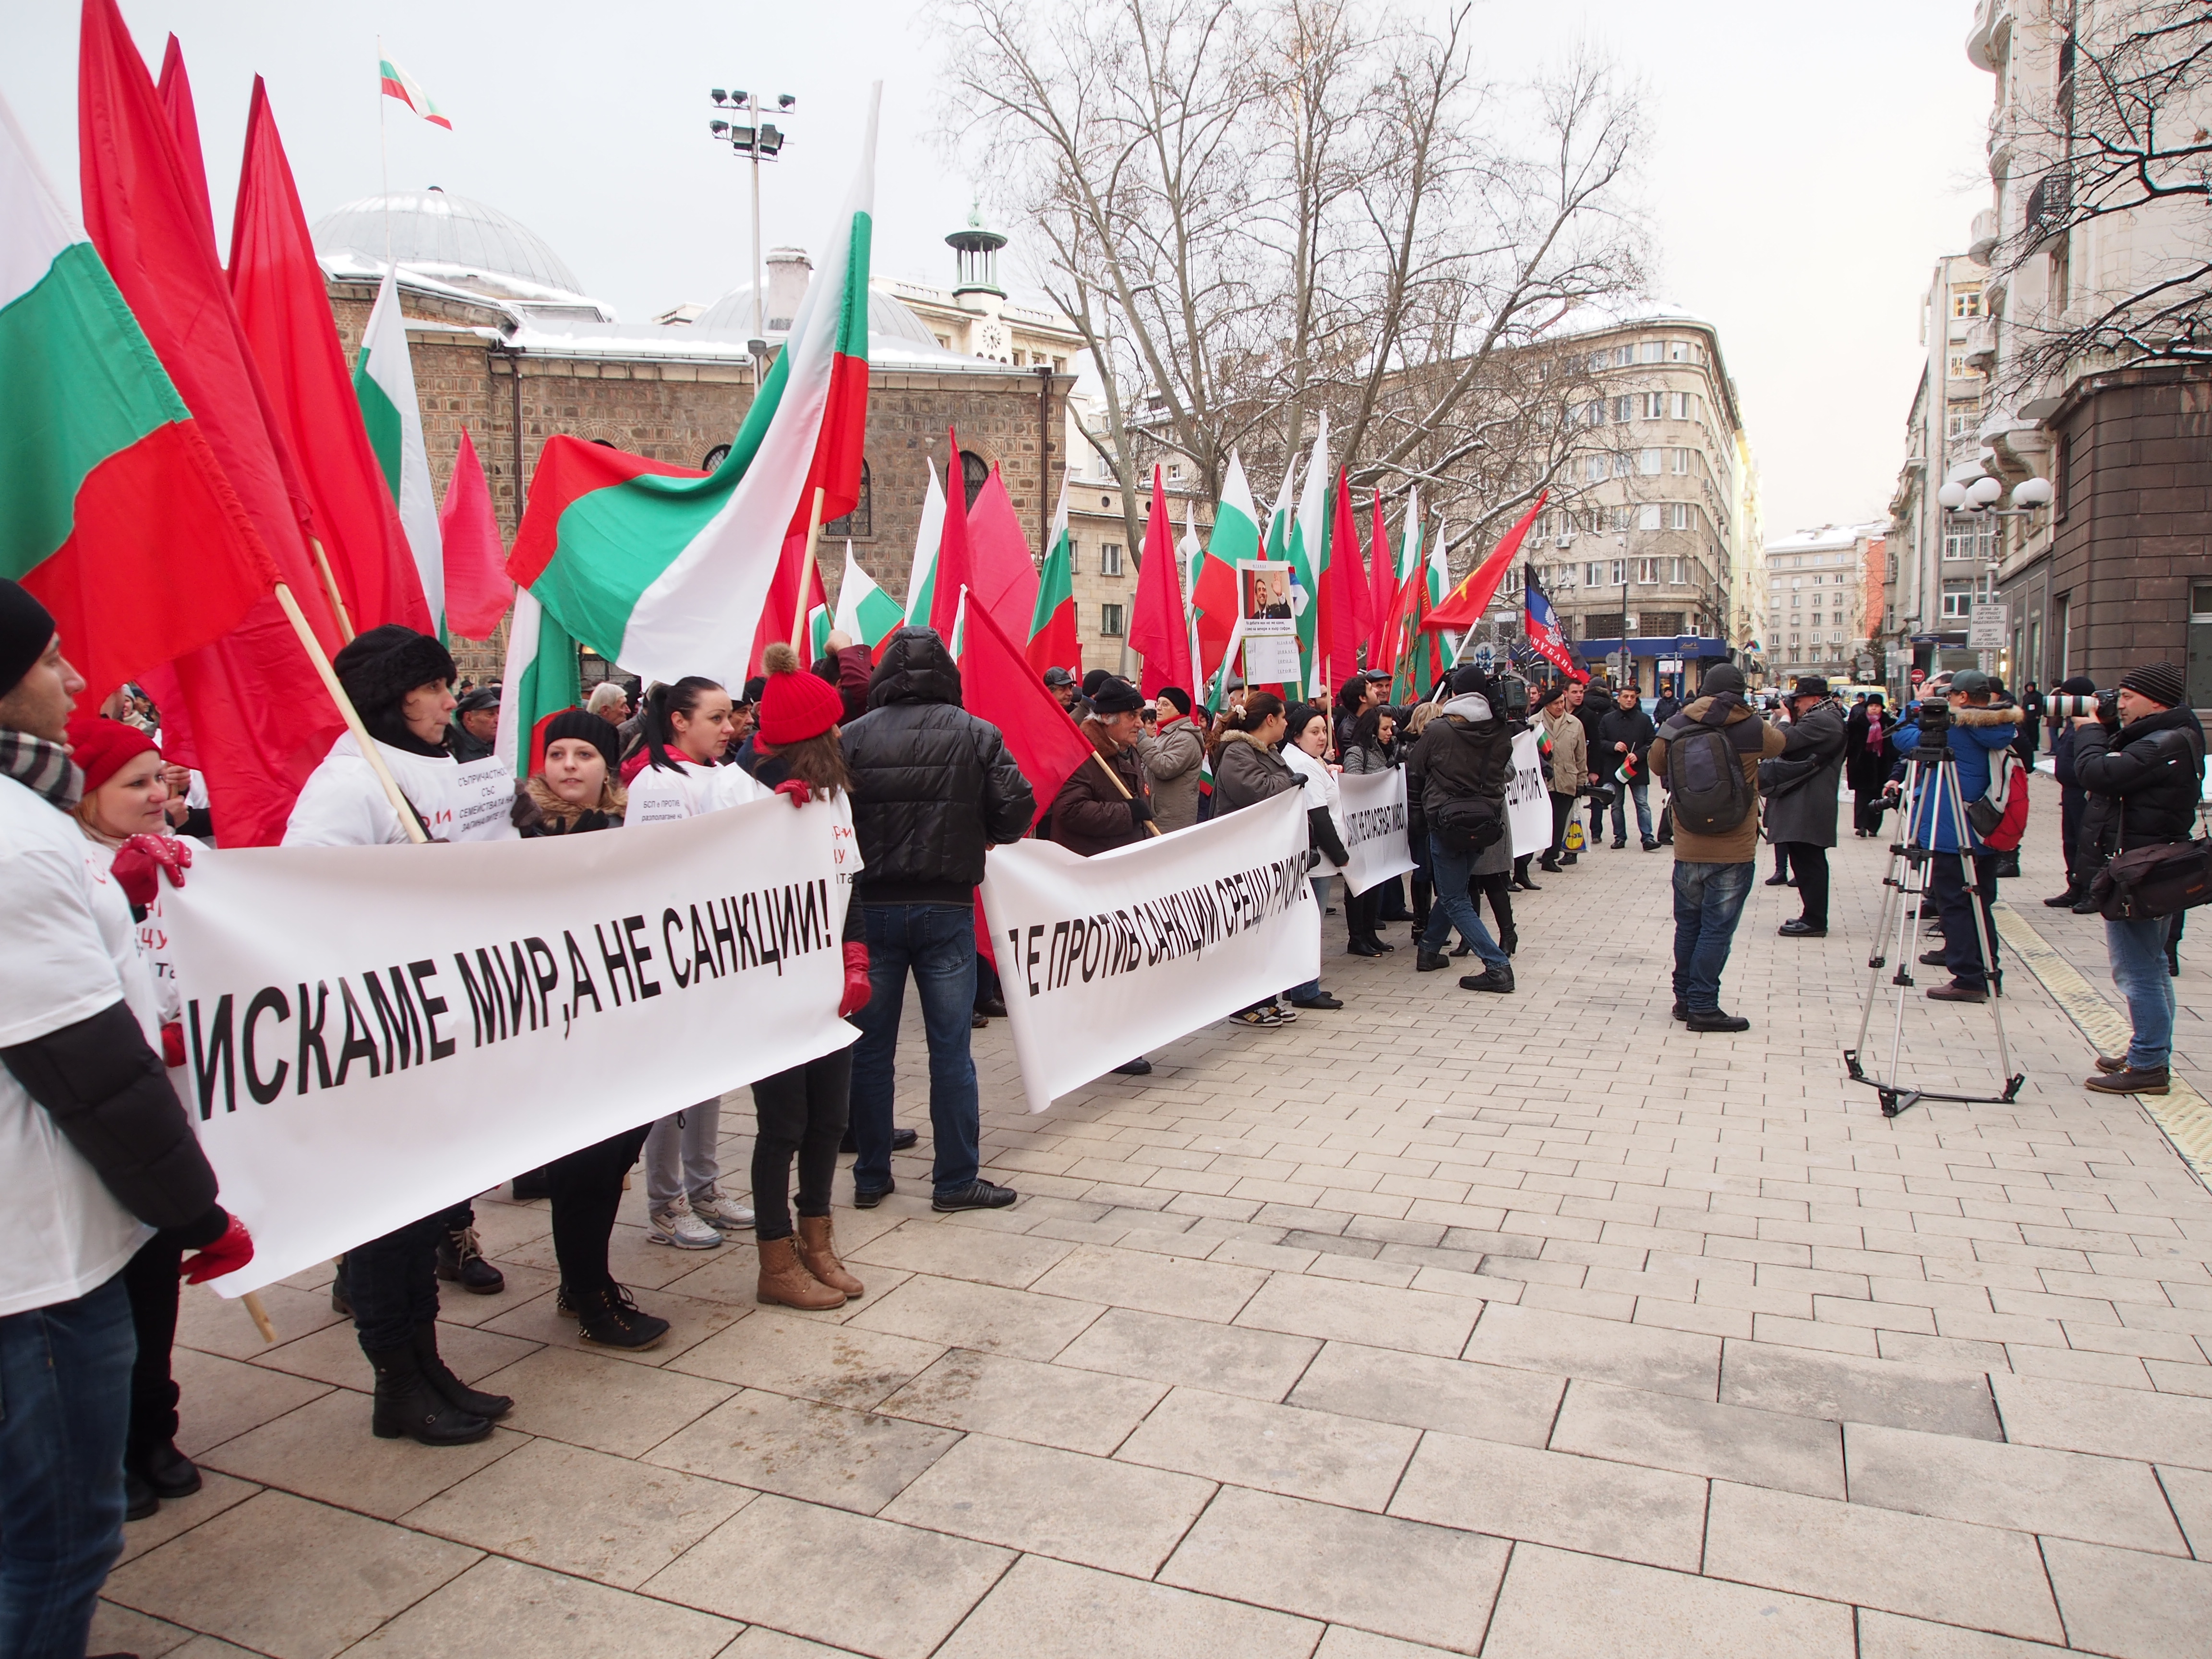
1468,823
1707,789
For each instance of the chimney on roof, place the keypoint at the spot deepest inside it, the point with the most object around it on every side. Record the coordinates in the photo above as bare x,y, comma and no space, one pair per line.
789,271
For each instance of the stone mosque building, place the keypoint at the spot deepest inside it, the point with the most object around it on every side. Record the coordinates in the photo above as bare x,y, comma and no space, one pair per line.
507,343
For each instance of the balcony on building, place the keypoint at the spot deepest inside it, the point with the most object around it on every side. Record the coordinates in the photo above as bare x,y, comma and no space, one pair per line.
1983,236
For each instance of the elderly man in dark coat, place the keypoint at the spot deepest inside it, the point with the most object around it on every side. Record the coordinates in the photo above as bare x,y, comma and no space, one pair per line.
1800,786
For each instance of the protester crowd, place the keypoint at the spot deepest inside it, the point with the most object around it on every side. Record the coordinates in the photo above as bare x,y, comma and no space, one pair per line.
116,1203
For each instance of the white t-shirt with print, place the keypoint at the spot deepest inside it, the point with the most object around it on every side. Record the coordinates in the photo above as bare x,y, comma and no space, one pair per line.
662,794
68,950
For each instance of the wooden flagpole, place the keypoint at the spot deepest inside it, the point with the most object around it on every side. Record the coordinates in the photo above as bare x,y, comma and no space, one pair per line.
369,751
331,587
259,1316
806,581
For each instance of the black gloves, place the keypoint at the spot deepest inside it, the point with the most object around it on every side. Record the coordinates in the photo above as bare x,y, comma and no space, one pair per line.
1141,811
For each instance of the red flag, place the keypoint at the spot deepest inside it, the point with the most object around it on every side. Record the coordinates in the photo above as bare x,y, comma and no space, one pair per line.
1005,579
285,310
997,684
176,94
955,562
1344,585
1381,588
1158,630
477,591
250,710
1463,606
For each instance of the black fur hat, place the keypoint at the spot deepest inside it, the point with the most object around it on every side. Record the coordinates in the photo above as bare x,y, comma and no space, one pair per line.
381,667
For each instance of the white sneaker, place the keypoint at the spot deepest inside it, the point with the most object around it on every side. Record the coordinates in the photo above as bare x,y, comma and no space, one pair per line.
677,1225
723,1214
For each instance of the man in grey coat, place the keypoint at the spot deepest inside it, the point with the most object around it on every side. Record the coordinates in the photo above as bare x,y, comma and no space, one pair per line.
1172,757
1800,788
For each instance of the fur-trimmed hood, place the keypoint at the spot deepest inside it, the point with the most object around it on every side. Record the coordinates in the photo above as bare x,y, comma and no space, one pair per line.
1995,713
539,811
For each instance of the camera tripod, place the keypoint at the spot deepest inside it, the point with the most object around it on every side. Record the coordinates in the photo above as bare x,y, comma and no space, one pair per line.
1931,787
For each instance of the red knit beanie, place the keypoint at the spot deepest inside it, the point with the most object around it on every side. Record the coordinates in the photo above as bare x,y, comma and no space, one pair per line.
795,706
101,747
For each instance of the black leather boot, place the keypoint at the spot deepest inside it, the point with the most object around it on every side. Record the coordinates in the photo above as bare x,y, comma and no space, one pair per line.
408,1408
455,1393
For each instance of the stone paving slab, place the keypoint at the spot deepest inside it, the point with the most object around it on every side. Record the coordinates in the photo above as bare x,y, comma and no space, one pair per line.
1530,1327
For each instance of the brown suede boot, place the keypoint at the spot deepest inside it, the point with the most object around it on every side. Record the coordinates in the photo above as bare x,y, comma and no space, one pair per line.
819,1257
784,1283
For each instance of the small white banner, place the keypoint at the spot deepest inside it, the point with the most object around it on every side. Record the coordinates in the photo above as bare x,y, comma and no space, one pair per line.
1374,808
1105,957
1529,798
374,1033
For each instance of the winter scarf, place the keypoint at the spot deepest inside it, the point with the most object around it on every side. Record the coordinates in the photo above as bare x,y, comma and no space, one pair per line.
43,768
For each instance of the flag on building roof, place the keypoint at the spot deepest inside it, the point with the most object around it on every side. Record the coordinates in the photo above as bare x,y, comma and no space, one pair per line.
384,386
119,518
398,84
671,572
867,614
1053,640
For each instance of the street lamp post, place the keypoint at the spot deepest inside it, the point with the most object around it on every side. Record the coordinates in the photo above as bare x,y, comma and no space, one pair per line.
758,139
2029,497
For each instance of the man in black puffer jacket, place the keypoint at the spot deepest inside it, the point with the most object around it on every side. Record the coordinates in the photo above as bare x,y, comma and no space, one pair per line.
933,789
2145,769
1465,757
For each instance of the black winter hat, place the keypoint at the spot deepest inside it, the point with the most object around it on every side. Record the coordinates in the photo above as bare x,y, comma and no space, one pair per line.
1094,679
1176,698
1115,696
27,628
1466,677
2161,682
1721,676
378,669
582,723
2076,686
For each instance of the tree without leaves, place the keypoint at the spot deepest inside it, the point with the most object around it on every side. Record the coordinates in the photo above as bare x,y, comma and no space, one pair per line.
1255,213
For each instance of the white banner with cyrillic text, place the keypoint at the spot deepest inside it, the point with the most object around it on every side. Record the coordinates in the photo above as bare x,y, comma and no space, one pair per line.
1529,798
374,1033
1103,958
1374,808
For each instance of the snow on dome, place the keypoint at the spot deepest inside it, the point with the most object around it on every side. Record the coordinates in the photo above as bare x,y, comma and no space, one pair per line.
451,236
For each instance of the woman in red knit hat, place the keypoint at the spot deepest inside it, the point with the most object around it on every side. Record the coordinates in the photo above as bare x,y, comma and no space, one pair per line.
796,751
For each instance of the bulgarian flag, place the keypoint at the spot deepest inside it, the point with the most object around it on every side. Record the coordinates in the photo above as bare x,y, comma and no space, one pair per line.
384,382
865,612
921,574
1053,642
540,681
118,517
1214,591
671,572
398,84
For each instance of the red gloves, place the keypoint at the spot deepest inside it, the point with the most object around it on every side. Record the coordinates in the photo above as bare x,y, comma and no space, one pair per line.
172,1044
857,988
138,859
227,1255
795,790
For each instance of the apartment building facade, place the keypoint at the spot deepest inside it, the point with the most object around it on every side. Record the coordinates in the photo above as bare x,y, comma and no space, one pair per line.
1823,601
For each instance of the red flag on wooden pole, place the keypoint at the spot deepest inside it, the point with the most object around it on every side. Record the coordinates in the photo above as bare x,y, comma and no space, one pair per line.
1158,629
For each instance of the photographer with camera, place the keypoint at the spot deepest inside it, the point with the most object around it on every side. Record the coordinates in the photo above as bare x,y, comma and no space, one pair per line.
1800,788
2141,757
1977,729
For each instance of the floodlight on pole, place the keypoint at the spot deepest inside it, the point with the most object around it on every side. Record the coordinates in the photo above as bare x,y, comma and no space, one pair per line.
757,141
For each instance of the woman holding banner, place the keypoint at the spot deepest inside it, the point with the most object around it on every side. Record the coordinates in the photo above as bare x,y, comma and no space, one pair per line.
799,752
1373,747
574,794
688,727
1307,750
1249,768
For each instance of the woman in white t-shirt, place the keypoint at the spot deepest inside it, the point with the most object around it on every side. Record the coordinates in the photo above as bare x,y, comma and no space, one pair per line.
1305,748
687,727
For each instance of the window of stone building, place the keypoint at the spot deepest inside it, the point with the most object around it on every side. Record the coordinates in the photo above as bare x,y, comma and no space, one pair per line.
1624,356
1965,302
1594,470
1660,624
1684,351
1109,558
1650,462
1654,351
1623,409
1647,516
1681,460
862,520
1685,405
975,473
1109,620
714,458
2061,475
1958,599
1623,465
1678,515
1677,572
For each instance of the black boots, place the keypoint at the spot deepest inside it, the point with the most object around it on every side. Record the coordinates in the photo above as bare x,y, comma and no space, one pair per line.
610,1318
1490,979
461,1262
409,1405
457,1393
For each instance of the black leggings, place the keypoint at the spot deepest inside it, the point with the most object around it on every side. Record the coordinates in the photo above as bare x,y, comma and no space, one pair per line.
800,1113
1809,864
1563,812
150,1278
585,1187
1498,890
1360,920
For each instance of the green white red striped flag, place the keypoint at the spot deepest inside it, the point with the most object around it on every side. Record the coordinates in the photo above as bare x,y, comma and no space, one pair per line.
921,574
1190,553
539,682
866,614
671,572
398,84
384,382
1052,641
118,518
1309,556
1214,591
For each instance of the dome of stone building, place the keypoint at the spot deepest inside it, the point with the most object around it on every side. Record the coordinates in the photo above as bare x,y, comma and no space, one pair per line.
453,238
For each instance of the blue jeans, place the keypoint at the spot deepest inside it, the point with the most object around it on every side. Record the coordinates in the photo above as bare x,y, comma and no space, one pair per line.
2138,953
1708,899
938,943
1643,794
65,1409
1452,908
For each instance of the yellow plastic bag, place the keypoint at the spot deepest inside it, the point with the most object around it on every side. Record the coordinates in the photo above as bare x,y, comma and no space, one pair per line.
1575,841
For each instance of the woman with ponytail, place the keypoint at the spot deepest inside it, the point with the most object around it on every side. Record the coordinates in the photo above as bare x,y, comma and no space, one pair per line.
686,726
797,752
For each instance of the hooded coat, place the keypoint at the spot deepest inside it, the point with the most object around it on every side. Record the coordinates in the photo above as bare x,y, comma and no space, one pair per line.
1978,732
1464,753
1799,783
933,787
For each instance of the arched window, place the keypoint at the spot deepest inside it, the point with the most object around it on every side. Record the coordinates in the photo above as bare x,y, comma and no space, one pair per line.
861,522
715,458
975,472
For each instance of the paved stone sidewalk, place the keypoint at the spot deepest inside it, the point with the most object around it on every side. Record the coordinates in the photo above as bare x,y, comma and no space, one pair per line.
1522,1327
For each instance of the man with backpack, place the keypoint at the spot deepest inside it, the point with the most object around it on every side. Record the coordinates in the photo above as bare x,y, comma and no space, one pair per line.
1800,793
1710,754
2146,763
1982,731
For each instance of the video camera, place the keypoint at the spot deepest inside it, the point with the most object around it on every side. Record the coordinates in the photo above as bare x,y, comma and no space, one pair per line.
2100,705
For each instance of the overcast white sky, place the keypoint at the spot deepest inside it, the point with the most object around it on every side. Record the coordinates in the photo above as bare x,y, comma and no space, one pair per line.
1810,164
